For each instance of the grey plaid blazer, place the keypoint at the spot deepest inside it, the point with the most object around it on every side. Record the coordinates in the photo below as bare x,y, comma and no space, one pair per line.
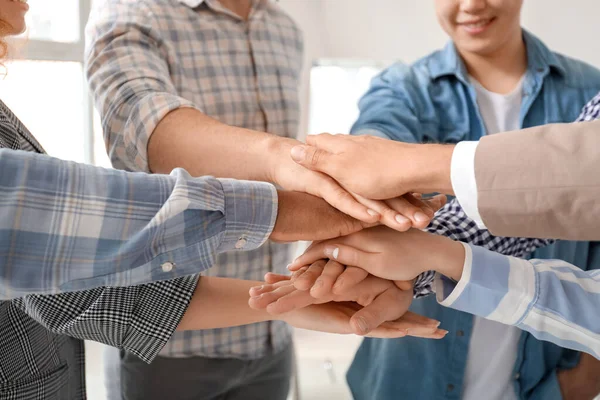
41,347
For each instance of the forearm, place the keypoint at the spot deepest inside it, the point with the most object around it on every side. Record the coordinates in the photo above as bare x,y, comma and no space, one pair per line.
221,303
189,139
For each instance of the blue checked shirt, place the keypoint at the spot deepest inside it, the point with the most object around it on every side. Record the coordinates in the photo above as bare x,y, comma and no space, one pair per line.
145,58
551,299
67,226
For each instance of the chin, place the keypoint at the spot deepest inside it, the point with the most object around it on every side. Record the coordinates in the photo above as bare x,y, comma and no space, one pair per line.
479,47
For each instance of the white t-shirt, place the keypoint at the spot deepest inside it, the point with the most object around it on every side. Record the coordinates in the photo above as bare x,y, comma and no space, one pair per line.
493,346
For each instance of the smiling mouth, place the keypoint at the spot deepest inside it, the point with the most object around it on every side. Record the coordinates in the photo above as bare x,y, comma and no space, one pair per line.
477,26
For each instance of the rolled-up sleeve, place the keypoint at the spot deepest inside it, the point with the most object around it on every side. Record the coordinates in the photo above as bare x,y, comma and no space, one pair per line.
128,68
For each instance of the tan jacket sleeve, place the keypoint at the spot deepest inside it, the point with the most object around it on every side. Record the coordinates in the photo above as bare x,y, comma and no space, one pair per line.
541,182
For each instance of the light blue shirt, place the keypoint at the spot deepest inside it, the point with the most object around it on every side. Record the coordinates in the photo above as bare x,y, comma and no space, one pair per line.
432,100
70,227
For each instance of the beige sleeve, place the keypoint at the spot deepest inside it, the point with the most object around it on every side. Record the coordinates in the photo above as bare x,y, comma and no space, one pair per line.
541,182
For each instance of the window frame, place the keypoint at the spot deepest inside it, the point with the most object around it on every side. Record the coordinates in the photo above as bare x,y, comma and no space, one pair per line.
48,50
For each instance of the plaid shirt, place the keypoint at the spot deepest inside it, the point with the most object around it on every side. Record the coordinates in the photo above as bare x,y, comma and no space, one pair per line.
145,58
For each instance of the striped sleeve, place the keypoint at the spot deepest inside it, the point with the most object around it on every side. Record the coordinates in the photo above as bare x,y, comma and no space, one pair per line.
552,299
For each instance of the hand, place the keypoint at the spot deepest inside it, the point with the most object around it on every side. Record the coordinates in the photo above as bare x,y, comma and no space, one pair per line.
381,299
383,304
335,318
581,382
301,216
399,214
389,254
377,168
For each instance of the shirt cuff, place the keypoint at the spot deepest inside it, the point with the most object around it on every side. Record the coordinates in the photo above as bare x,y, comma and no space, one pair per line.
493,286
462,174
250,214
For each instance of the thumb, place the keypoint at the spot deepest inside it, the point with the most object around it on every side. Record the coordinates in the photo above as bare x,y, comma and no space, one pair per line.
312,158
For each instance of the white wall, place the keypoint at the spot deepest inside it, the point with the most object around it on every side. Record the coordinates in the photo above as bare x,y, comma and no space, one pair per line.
389,30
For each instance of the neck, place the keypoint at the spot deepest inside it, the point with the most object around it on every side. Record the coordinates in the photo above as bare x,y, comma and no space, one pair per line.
500,71
240,7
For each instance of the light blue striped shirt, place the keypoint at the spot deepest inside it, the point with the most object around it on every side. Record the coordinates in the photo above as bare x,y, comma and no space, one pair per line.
67,227
551,299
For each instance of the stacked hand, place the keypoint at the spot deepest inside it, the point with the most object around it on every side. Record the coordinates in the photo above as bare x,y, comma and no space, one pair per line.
377,168
399,212
367,272
382,265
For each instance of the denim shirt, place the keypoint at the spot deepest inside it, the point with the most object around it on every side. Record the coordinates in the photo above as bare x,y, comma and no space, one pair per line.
433,101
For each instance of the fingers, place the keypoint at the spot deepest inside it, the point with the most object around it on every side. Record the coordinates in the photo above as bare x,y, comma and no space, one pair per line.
405,285
394,218
349,278
436,202
306,280
291,301
343,254
271,277
298,273
419,212
313,158
262,296
389,305
322,287
330,191
418,326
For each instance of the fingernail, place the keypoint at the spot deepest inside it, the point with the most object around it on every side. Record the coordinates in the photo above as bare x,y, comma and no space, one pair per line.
401,219
289,266
421,216
318,283
435,324
445,332
372,212
332,252
298,153
362,325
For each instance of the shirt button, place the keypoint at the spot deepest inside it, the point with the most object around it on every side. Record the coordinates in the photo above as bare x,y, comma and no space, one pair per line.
450,387
517,376
168,266
241,243
460,333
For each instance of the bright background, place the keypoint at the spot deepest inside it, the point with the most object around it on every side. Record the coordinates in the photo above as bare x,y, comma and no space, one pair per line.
346,43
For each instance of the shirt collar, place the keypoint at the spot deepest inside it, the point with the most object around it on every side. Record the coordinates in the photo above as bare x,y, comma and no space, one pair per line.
539,60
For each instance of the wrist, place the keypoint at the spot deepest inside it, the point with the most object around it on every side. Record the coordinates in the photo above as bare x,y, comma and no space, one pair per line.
431,168
276,153
450,256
